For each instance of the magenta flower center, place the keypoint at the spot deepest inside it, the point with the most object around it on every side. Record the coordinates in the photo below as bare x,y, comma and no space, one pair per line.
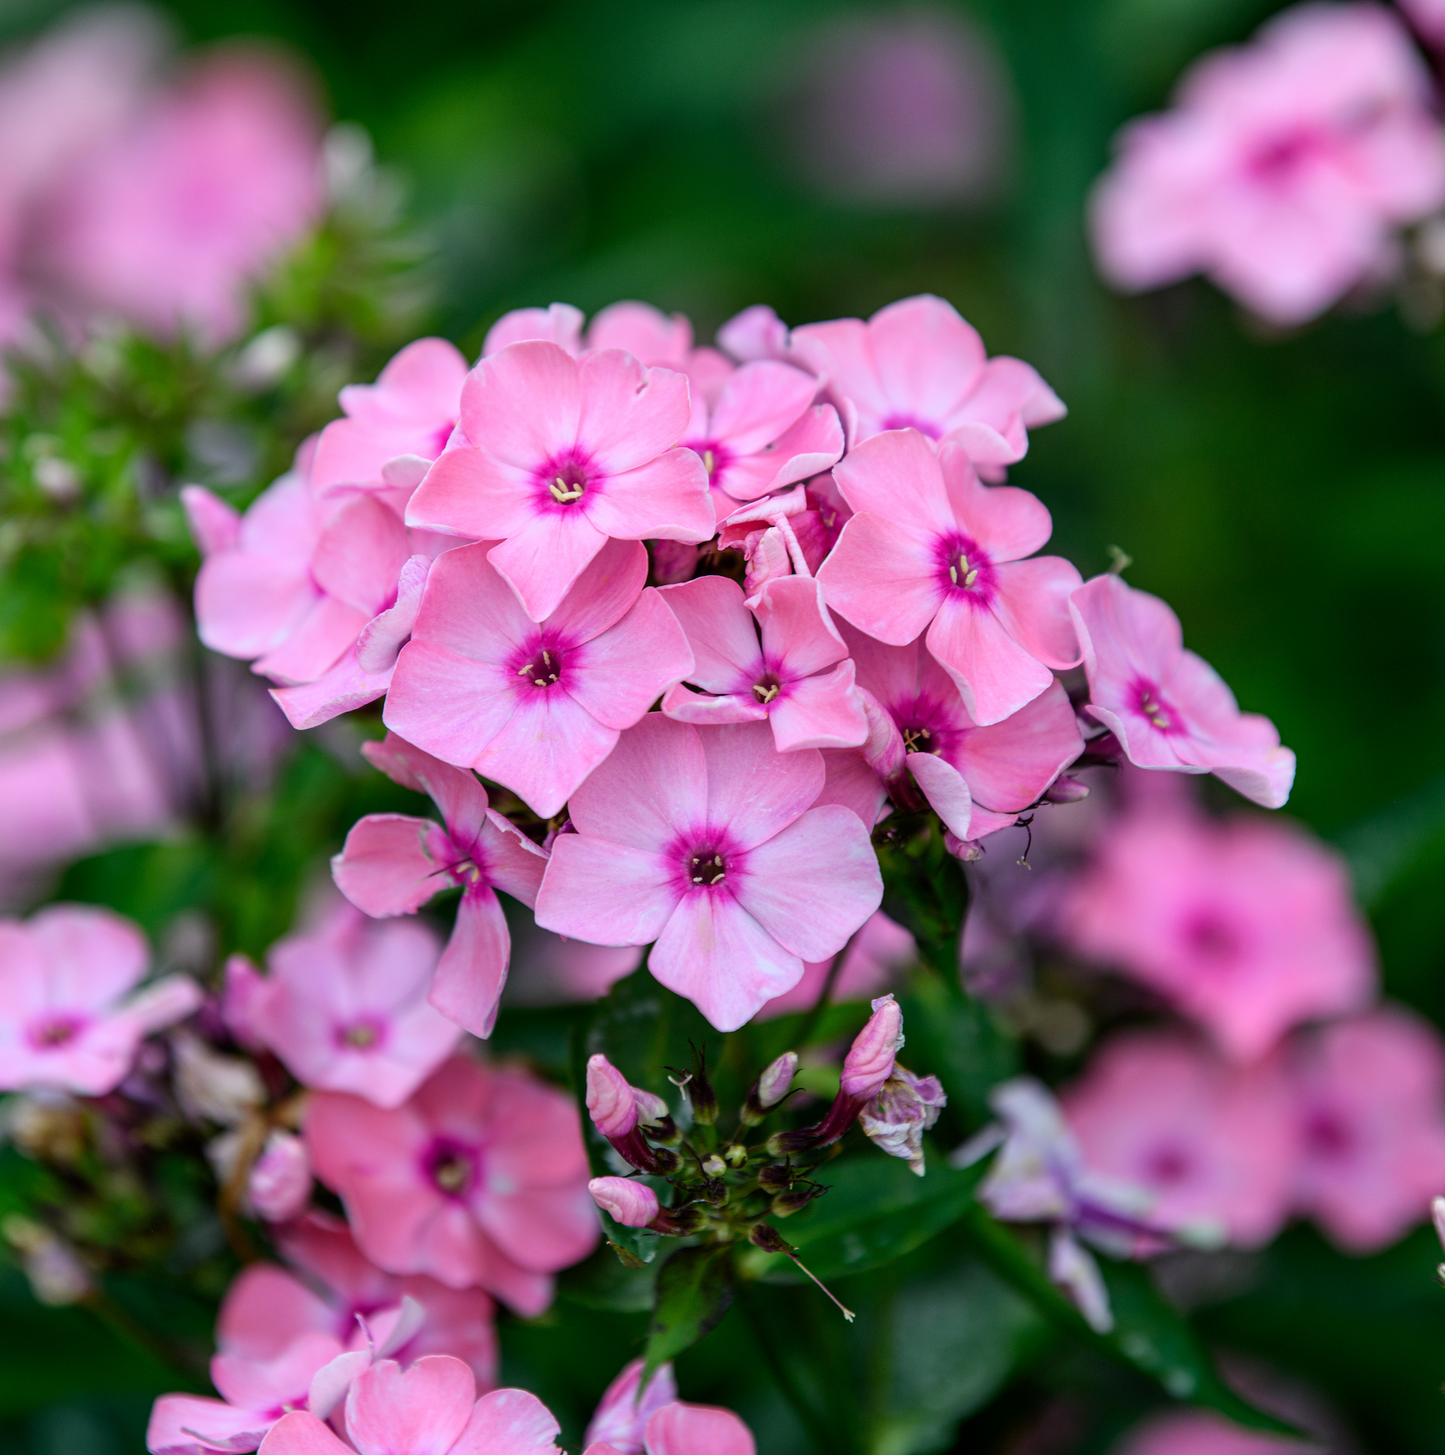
1152,704
540,665
364,1034
566,481
707,867
715,458
1212,939
966,569
58,1031
1328,1135
1167,1166
900,420
767,687
451,1168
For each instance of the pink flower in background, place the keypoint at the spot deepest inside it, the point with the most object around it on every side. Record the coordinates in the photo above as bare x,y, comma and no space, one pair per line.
393,864
776,658
559,456
1370,1098
480,1180
755,333
917,365
559,324
71,1017
279,1186
1212,1141
758,430
872,961
932,547
344,1007
1284,169
1198,1432
535,704
1248,925
430,1409
551,970
1168,707
689,1429
392,430
650,335
1428,18
624,1410
167,220
704,840
978,778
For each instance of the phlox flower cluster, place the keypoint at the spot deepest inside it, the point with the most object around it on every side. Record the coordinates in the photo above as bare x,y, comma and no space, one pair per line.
706,616
1286,167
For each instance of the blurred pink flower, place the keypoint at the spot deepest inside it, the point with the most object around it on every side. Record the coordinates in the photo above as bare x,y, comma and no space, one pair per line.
535,704
166,221
480,1180
775,658
344,1006
705,841
871,962
978,778
651,336
917,365
1198,1432
624,1410
691,1429
1428,19
1284,168
559,455
1212,1141
393,864
1247,926
430,1409
68,1019
279,1185
1168,707
549,969
559,324
931,547
1370,1094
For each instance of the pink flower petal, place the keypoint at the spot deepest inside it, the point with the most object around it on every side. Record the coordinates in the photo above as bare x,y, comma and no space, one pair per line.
247,603
360,555
720,631
559,323
542,561
926,356
513,862
421,1411
546,750
945,789
629,414
810,446
759,403
702,710
469,493
665,498
694,1429
448,704
797,633
215,526
1033,604
882,579
617,676
994,674
897,476
342,688
820,712
509,1422
316,645
386,633
603,593
223,1427
524,405
753,791
1007,522
467,987
1010,764
392,863
605,893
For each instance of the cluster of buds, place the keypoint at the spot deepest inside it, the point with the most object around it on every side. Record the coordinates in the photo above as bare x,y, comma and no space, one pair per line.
723,1186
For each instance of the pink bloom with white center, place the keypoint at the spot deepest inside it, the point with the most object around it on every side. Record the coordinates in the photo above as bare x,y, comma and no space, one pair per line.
1168,707
559,324
872,961
169,219
279,1185
558,456
705,841
68,1017
393,864
1247,926
1369,1094
480,1180
757,429
1284,169
930,546
344,1007
1198,1432
430,1409
979,779
395,428
1212,1141
320,593
535,704
633,1204
917,365
776,658
624,1410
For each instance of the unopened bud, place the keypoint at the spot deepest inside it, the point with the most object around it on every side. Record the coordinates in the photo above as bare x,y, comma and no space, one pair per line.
770,1088
703,1097
775,1177
897,1117
869,1062
736,1156
651,1109
213,1087
611,1103
679,1222
785,1204
633,1204
713,1165
280,1183
966,851
1067,790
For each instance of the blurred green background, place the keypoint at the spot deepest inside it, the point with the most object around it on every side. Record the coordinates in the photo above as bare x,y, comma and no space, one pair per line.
1285,493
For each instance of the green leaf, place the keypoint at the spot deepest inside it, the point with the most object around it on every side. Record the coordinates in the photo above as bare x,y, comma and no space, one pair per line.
694,1291
1148,1335
959,1040
605,1282
875,1210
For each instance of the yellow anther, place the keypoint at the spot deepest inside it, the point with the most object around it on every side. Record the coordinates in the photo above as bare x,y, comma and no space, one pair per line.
564,494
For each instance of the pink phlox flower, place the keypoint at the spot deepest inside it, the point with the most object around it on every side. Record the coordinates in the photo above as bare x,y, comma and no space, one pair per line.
1248,926
645,332
1200,1432
392,430
688,1429
706,841
560,454
1212,1142
535,704
979,779
430,1409
917,365
279,1186
345,1006
559,324
480,1180
624,1410
757,429
776,658
1369,1094
1284,167
71,1017
1168,707
755,333
352,1292
931,547
392,864
896,1116
872,961
168,219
